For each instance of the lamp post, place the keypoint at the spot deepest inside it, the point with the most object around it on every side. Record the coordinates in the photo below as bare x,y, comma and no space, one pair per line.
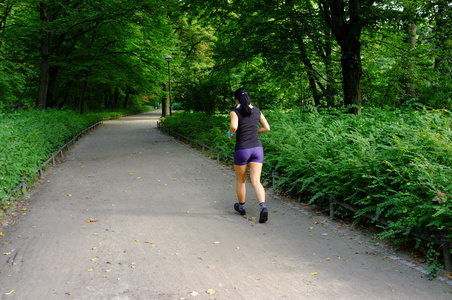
168,59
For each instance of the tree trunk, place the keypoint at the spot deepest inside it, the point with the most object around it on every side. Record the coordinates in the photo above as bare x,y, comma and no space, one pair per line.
116,99
45,58
76,102
3,20
407,62
329,92
127,98
85,93
106,99
346,24
310,72
351,76
165,103
442,41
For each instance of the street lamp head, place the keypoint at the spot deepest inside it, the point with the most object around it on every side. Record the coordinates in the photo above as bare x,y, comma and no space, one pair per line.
168,58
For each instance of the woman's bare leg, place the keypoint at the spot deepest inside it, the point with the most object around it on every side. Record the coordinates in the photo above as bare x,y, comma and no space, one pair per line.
241,173
255,176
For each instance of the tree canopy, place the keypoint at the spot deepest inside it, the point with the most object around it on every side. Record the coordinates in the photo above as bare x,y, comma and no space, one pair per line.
108,54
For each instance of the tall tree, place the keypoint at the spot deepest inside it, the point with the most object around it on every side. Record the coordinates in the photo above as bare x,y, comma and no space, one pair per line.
287,40
91,37
45,56
410,9
345,19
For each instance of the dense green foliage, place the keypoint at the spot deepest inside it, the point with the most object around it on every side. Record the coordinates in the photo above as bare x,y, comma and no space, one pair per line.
28,139
83,54
110,54
294,53
394,164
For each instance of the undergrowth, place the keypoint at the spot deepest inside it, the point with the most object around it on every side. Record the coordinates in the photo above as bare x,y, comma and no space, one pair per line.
389,163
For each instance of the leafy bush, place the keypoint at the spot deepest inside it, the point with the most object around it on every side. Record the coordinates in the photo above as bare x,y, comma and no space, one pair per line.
203,128
393,164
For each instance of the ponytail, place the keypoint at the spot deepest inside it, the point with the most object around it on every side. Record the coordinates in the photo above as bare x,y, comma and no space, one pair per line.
245,101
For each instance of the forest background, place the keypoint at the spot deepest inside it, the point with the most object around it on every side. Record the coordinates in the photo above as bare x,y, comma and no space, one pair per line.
358,92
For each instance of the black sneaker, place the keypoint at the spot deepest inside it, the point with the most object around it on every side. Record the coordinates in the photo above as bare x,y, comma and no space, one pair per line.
264,215
240,211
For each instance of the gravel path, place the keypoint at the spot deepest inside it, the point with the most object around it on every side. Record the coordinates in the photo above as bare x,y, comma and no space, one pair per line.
135,214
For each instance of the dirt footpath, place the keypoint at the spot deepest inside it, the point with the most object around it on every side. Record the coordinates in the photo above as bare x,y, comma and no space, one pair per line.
135,214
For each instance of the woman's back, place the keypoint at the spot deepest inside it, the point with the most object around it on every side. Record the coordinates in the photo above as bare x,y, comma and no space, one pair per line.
247,135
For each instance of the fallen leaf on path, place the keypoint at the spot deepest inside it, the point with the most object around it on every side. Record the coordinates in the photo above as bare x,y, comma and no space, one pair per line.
1,234
89,270
69,195
23,209
314,273
175,179
10,292
130,173
199,257
151,246
216,242
93,259
8,253
448,275
193,293
211,291
68,293
90,220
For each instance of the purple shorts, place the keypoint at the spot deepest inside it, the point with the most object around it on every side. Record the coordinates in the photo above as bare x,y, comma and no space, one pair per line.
244,156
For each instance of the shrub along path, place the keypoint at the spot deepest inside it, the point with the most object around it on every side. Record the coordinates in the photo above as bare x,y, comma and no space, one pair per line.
134,214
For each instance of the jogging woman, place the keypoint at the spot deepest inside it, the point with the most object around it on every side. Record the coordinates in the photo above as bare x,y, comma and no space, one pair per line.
245,120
